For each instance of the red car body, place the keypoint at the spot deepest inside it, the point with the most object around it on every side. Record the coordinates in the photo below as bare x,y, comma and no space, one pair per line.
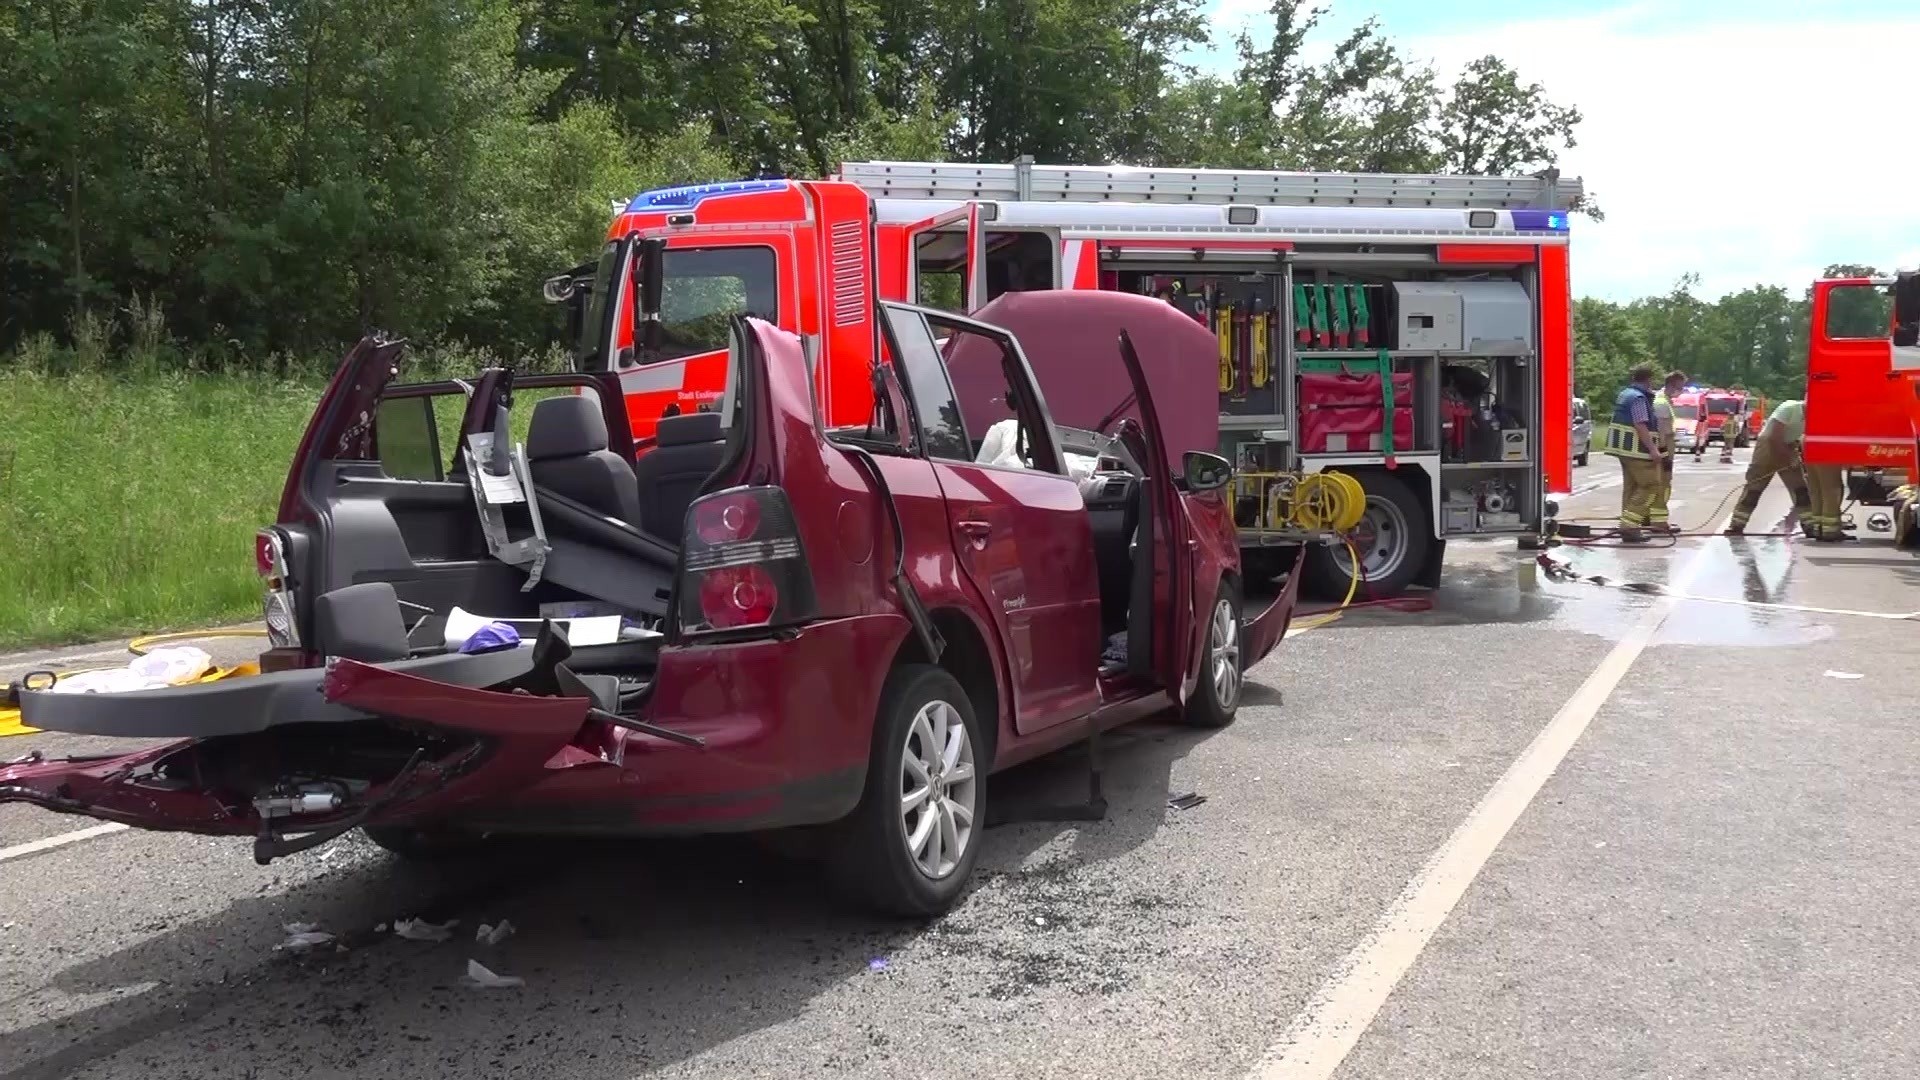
815,569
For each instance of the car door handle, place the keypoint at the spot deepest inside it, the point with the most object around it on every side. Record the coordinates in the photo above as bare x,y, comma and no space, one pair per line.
978,531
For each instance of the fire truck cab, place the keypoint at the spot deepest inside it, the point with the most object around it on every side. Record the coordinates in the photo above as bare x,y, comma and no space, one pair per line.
1863,384
1412,332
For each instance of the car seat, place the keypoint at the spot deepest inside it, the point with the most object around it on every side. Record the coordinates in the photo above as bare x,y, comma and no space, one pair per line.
567,453
687,449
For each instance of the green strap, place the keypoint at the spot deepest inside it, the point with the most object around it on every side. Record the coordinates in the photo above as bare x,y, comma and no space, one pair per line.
1362,318
1385,360
1302,314
1338,296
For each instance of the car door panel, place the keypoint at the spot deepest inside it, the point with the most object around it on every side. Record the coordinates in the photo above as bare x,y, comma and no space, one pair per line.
1175,618
1023,538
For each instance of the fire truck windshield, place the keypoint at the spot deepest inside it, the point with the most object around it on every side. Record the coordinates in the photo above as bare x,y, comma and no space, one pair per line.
1722,406
1685,412
705,287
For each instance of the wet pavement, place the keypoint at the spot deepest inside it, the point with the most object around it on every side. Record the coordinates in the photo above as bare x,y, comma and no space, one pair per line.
1712,882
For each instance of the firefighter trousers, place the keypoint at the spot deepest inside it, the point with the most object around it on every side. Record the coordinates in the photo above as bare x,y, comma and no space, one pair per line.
1662,491
1761,468
1640,483
1823,490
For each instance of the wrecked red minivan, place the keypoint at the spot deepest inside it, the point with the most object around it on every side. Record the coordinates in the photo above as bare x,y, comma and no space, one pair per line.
757,623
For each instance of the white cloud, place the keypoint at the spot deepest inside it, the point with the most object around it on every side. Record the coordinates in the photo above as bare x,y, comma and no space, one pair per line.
1746,151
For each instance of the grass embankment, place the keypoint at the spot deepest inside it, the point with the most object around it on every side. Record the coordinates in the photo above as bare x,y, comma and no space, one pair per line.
128,502
131,483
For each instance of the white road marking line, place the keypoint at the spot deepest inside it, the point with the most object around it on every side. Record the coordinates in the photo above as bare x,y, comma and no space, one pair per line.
48,843
1327,1029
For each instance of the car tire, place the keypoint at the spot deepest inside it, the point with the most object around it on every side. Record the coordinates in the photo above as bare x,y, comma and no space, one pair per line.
424,844
1581,461
1395,514
1216,695
875,861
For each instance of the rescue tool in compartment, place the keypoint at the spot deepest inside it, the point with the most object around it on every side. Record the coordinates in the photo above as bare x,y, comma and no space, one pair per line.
1262,360
1223,331
795,647
1243,360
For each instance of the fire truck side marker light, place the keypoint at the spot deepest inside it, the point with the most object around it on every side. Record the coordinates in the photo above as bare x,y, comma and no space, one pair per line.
1325,1031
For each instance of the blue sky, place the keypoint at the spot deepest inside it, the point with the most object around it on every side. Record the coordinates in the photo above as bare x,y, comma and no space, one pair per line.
1738,140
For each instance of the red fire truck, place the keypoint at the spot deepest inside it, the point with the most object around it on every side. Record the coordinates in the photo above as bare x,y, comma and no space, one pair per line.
1863,387
1411,331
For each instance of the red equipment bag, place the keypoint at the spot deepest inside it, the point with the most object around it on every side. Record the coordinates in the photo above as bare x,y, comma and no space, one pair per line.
1346,414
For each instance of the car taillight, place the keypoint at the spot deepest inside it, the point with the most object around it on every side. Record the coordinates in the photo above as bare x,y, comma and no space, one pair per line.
742,563
270,558
266,547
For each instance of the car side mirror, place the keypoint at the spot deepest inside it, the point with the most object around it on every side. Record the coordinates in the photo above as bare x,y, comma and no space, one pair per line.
1206,472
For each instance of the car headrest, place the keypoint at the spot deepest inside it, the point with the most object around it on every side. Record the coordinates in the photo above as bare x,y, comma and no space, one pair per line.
701,427
361,622
566,426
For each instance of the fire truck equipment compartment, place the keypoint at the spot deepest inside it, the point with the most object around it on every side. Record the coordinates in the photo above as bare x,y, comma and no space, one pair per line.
1484,318
1345,413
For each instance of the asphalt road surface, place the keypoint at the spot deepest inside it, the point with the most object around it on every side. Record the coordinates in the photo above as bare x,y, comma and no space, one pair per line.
1546,829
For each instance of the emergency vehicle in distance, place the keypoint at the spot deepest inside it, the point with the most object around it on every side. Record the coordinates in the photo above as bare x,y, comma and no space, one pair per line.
1700,416
1863,389
1411,331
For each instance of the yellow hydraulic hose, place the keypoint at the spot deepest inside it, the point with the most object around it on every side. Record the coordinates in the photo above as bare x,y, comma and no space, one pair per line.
139,646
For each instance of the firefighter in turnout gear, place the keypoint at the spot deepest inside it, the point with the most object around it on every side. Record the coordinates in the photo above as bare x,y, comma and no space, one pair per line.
1664,427
1729,431
1777,451
1632,439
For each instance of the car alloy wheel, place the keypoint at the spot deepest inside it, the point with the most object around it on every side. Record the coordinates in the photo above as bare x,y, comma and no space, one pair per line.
938,790
1223,650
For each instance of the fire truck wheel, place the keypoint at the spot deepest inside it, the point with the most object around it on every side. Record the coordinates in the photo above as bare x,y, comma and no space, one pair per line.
1394,542
910,846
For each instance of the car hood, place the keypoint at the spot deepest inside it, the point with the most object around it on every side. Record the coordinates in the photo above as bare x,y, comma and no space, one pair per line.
1070,340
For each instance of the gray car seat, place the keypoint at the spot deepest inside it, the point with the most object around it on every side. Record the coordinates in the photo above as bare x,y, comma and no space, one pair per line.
567,453
687,450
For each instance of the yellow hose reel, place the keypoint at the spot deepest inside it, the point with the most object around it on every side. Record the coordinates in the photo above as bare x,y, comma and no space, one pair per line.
1316,502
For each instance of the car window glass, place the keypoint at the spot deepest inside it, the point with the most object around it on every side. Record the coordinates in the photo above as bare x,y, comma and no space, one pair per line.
943,431
979,366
